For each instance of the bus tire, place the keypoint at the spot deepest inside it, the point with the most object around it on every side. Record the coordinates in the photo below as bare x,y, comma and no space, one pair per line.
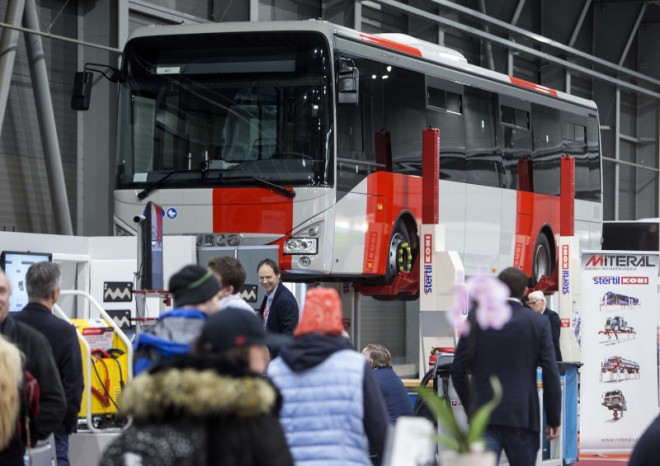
399,252
541,259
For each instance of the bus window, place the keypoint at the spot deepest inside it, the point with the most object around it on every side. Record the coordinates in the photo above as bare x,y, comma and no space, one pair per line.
357,126
483,162
546,153
404,97
517,144
445,111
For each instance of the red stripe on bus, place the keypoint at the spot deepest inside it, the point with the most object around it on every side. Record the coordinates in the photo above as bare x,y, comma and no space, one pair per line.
388,194
240,210
533,86
390,44
533,213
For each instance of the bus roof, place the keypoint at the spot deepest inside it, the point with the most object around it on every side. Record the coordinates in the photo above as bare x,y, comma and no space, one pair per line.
400,43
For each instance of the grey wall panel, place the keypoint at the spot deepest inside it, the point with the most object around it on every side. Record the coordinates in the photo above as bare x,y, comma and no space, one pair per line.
20,144
383,322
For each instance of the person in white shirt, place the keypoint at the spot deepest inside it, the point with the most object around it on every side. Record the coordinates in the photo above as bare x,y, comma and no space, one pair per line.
231,275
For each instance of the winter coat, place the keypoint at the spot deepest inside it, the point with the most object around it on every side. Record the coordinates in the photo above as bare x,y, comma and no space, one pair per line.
39,361
333,410
188,411
63,339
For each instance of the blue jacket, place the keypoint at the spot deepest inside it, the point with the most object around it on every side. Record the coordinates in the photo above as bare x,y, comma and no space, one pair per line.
333,410
395,394
172,335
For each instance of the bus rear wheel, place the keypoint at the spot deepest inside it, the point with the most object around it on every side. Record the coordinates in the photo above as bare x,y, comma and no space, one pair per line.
542,259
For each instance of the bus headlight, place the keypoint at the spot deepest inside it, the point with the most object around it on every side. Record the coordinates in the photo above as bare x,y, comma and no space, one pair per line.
300,246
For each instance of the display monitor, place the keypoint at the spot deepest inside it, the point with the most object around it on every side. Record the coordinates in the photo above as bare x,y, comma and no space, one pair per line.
16,264
150,248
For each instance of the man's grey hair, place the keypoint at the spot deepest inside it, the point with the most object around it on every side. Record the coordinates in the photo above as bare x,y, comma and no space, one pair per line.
536,296
41,280
379,355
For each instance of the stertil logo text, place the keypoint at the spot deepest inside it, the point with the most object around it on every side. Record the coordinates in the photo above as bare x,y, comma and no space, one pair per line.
428,279
566,284
621,280
619,261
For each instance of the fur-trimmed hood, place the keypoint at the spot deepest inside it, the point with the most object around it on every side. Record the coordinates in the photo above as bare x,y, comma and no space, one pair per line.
197,394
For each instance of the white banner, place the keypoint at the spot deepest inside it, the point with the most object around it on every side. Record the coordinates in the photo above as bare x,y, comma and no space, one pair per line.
619,320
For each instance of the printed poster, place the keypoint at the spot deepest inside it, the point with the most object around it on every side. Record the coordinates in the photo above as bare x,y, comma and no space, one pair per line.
619,376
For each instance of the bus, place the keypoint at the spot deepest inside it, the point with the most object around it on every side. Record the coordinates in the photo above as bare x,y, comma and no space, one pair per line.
611,298
307,137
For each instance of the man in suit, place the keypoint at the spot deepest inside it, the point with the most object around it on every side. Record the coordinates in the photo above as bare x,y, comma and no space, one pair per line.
512,354
279,309
536,301
42,282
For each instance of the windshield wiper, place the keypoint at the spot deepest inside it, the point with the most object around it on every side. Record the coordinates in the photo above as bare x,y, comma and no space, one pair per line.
158,183
266,184
203,170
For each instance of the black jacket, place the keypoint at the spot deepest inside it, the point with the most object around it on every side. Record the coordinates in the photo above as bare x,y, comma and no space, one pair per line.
195,411
512,354
555,327
39,361
647,449
63,339
283,314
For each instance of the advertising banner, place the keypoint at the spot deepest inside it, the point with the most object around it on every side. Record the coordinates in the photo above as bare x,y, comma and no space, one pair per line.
619,321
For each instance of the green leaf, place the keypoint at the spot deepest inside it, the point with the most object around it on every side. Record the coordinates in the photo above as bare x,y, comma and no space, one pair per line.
456,438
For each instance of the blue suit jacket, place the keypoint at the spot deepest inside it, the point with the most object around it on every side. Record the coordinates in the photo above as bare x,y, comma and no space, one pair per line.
512,354
283,315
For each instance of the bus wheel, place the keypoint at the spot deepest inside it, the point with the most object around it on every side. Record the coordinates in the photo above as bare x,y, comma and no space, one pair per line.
542,259
399,253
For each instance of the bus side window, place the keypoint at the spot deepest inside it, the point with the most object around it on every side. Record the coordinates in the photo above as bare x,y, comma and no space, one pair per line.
484,157
517,145
444,110
404,97
547,147
357,126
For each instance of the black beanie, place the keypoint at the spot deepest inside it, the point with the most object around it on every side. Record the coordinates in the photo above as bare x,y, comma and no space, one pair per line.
193,285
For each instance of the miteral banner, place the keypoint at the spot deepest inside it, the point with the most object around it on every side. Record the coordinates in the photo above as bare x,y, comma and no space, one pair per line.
618,333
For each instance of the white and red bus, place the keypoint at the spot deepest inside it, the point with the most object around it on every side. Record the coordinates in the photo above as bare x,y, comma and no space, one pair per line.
307,136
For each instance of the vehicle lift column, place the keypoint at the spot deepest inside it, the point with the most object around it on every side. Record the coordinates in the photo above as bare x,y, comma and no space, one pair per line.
439,269
568,263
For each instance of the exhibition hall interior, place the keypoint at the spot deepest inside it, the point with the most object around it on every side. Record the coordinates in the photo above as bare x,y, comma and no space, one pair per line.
459,199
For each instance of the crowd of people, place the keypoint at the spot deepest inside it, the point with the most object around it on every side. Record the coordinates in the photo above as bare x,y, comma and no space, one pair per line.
218,382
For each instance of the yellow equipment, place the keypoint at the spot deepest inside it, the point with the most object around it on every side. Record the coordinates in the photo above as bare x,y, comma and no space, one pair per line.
109,367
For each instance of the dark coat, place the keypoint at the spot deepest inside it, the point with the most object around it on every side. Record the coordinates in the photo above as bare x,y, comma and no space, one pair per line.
188,411
283,314
394,392
39,361
647,449
63,338
555,327
512,354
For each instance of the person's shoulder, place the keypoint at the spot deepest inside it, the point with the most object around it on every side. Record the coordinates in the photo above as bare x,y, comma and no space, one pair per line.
28,336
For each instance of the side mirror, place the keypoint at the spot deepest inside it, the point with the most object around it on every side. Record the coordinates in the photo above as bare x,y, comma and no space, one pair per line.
82,90
348,82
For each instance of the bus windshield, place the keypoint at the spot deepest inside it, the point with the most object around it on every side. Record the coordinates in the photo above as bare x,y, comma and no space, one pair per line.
223,109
